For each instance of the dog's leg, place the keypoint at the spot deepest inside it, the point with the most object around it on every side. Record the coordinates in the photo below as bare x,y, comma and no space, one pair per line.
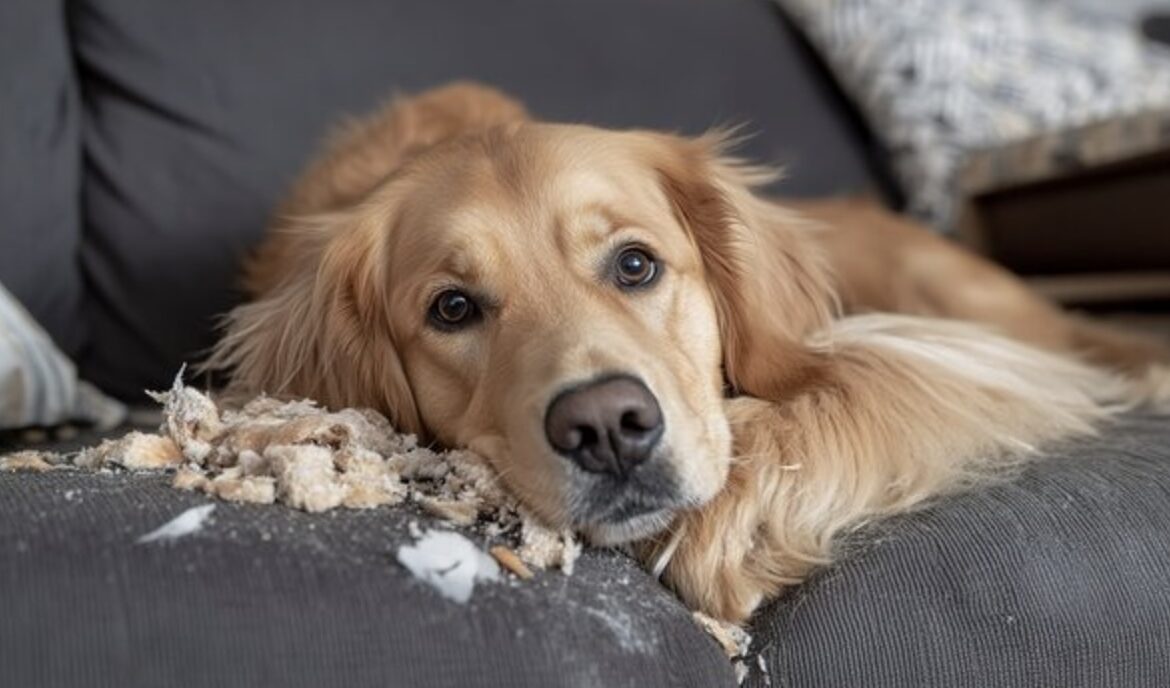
884,262
902,409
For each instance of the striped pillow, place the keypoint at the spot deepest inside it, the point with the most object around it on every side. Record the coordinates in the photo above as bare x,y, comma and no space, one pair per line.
38,384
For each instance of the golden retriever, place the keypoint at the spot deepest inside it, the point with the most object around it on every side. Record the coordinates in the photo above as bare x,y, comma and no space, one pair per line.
650,352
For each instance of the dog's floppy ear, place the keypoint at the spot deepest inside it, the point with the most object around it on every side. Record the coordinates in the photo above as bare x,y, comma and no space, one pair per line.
323,331
318,326
769,281
364,153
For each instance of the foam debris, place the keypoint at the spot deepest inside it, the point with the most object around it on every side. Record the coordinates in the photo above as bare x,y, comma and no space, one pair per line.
33,461
305,457
186,523
733,639
450,563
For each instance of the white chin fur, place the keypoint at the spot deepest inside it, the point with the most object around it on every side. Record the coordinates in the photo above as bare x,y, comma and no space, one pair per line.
636,528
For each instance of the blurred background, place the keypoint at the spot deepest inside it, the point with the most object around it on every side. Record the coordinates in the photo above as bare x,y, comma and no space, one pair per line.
143,144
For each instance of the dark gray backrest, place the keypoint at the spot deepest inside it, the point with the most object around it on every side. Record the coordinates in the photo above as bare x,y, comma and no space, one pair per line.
197,113
40,166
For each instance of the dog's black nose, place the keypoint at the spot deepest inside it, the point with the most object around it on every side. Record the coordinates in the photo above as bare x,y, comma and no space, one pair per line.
607,426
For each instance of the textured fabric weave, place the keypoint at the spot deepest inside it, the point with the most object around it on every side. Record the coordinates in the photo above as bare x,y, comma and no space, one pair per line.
268,596
1059,578
940,79
1056,578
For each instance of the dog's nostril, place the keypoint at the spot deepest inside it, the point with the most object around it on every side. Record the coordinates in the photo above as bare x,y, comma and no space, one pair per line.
607,426
633,422
585,436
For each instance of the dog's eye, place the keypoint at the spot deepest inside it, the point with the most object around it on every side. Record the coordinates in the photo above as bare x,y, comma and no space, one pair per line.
635,267
453,309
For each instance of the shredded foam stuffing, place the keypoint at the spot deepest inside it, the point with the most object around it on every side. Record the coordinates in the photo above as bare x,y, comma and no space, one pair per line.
27,461
189,522
305,457
298,454
450,563
734,640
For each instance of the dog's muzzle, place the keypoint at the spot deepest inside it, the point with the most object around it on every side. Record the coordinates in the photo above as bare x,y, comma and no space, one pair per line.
611,428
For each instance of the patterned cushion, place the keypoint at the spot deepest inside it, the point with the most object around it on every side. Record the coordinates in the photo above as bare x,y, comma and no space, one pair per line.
38,383
974,95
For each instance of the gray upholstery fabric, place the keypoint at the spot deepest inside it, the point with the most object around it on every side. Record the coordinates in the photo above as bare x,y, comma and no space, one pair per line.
198,114
40,161
1055,578
1059,578
268,596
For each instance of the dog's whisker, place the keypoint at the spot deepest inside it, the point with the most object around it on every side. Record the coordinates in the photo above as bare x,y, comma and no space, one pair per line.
663,559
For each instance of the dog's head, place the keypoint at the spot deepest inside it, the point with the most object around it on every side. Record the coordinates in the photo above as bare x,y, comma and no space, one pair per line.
570,302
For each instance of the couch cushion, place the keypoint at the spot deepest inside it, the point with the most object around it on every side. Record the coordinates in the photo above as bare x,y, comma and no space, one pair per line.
199,114
1058,578
1054,578
266,595
972,96
38,384
40,162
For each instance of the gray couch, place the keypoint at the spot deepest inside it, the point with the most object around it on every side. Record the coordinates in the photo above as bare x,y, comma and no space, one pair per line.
143,145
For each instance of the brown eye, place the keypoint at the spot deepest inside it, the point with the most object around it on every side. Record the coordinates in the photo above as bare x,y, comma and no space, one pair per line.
635,267
453,309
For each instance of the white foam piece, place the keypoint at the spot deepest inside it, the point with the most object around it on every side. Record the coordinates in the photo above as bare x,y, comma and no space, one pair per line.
450,563
186,523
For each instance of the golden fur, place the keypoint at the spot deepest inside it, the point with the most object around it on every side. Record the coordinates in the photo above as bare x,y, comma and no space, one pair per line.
794,408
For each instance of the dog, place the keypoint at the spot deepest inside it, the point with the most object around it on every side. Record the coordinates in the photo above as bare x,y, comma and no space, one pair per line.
649,351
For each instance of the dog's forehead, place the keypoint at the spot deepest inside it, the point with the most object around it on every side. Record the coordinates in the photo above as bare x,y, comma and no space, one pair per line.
600,166
550,179
491,204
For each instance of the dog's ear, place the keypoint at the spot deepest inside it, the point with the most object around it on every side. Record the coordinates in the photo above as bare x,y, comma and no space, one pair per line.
363,152
769,281
323,332
317,326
